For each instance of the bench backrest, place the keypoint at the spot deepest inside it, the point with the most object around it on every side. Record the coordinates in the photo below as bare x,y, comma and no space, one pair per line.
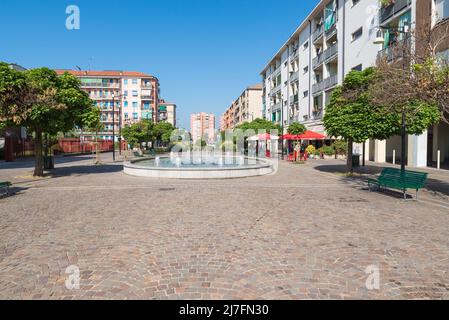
408,179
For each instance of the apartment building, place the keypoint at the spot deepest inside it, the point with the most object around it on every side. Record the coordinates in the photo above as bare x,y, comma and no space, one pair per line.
336,37
136,97
246,108
202,125
167,112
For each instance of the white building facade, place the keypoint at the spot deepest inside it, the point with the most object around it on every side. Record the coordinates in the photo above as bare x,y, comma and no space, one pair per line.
338,36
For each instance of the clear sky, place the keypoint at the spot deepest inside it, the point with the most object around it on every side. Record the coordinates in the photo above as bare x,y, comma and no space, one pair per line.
205,52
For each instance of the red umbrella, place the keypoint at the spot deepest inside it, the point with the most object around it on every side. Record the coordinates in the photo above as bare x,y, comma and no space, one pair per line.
308,135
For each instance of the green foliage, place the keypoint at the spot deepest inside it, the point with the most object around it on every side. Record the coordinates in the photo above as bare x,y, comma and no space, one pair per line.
311,149
340,147
259,124
42,102
350,114
138,133
162,131
297,128
328,150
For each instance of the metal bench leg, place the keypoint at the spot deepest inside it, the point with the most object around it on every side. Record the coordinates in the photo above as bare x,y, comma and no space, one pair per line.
417,190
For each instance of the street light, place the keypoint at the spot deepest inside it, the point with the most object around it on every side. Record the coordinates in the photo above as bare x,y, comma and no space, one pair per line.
380,39
119,125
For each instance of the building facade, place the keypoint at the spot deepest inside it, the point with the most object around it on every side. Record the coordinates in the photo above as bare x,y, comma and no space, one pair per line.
167,112
202,125
136,97
245,108
339,36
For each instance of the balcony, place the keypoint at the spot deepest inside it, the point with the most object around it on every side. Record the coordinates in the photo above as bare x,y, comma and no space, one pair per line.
317,33
393,9
276,107
294,75
395,51
325,56
331,31
325,84
294,99
146,97
275,89
94,85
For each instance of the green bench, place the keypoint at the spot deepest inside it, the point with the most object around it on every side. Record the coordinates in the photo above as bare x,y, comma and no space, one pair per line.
4,188
399,180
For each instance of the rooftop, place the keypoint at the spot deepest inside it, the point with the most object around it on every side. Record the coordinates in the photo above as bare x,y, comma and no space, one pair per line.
104,73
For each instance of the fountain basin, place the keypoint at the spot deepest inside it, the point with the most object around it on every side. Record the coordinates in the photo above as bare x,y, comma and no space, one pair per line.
165,168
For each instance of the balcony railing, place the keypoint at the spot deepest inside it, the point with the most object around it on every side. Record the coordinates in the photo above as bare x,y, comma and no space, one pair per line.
391,10
275,107
100,85
325,84
395,51
294,76
318,33
329,53
276,89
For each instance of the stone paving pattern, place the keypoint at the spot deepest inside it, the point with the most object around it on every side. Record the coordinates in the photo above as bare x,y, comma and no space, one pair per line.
299,234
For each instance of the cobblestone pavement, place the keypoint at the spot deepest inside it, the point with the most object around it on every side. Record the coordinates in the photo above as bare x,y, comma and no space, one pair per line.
303,233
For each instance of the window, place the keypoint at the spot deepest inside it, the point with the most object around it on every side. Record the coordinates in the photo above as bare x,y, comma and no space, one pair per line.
146,106
134,81
358,68
125,82
354,2
134,104
306,69
441,10
125,93
135,93
306,45
357,34
135,116
305,94
126,104
126,115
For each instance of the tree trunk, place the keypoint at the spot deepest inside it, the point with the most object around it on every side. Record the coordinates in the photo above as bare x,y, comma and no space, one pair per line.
39,160
350,169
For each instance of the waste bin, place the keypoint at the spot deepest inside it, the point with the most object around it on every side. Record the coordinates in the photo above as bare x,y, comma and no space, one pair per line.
355,160
49,162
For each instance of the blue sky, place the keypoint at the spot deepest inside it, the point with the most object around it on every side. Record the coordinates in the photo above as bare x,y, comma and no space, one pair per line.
205,52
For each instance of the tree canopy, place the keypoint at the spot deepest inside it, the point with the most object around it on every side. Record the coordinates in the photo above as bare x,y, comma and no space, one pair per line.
296,128
42,102
259,124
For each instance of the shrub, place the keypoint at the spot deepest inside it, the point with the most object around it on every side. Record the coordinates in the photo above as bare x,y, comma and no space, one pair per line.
340,147
328,150
311,149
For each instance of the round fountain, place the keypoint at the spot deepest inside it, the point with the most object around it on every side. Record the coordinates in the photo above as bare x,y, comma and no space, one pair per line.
199,165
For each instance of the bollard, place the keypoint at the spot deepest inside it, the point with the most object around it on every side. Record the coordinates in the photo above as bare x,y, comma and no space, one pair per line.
394,157
439,160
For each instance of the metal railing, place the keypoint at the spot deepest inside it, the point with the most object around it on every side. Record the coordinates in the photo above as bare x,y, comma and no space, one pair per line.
294,75
325,55
391,10
318,33
395,51
325,84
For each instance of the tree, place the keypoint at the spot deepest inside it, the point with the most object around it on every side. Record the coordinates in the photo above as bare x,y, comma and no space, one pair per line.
91,121
138,133
259,124
42,102
162,132
296,128
411,87
351,116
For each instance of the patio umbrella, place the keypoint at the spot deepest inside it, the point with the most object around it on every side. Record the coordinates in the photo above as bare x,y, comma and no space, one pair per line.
310,135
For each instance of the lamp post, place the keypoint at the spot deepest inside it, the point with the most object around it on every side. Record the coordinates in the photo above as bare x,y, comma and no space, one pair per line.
282,127
113,127
381,40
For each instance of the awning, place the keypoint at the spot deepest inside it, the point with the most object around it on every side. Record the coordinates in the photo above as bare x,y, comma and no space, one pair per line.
308,135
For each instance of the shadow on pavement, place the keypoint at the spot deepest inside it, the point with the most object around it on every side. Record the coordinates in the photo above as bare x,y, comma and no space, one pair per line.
84,170
362,174
29,162
14,191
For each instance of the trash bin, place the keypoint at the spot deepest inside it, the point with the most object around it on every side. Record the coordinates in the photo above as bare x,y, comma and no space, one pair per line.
355,160
49,162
